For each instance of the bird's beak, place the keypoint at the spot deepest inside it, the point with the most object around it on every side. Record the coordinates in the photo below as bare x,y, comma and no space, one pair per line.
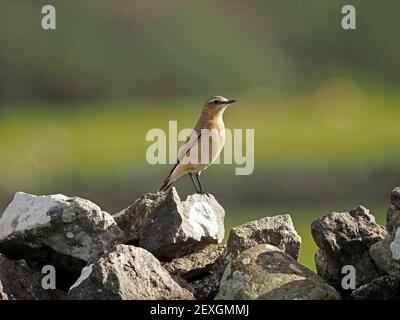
230,101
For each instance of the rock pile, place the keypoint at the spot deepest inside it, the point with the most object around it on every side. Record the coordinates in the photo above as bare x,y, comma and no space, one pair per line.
131,255
161,247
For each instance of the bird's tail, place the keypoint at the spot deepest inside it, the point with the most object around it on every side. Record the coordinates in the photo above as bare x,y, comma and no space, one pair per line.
166,185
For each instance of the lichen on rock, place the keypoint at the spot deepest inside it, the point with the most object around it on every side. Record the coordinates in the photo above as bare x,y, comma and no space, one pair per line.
270,274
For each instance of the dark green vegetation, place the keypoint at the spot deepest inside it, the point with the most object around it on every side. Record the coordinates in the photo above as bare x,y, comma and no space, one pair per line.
338,126
187,48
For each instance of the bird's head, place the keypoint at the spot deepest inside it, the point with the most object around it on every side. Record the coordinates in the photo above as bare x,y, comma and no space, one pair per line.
217,104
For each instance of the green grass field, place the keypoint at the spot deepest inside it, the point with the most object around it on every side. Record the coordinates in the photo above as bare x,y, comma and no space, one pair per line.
347,130
338,127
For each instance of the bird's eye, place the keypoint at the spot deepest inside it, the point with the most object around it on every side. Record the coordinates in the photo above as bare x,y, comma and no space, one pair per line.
216,101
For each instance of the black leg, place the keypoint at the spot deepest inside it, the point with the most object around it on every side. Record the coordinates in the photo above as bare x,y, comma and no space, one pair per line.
194,183
199,182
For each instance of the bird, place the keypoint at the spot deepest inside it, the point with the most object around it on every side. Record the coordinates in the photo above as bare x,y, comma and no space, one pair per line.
203,146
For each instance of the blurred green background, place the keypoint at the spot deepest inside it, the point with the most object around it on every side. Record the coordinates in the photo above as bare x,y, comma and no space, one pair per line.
76,103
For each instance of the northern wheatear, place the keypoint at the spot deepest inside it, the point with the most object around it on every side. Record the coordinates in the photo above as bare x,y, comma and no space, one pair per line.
203,146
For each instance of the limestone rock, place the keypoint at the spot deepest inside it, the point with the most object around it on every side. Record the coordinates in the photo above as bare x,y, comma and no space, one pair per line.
265,272
392,220
344,239
168,227
383,254
195,264
395,197
199,272
19,282
382,288
277,231
386,253
57,230
126,273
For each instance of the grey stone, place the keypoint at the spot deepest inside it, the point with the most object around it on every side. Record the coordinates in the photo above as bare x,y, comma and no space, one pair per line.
3,295
386,253
331,269
19,282
344,239
327,268
382,256
57,230
126,273
199,272
335,232
392,221
382,288
265,272
278,231
168,227
395,197
195,264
